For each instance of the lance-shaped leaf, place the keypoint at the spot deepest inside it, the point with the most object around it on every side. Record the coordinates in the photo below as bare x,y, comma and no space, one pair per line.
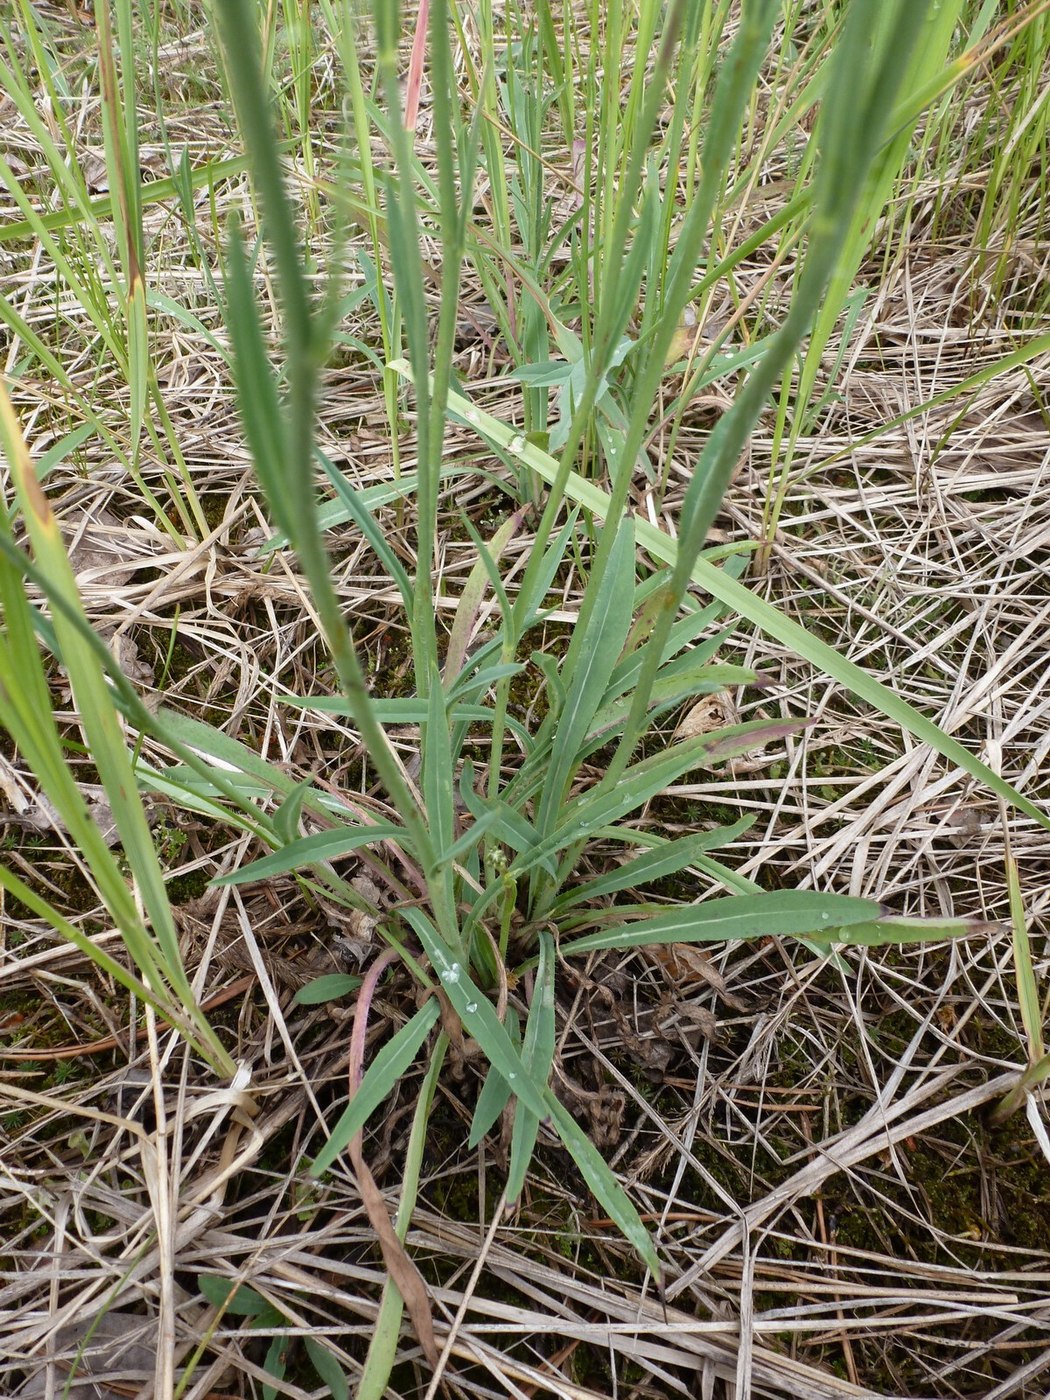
537,1053
737,917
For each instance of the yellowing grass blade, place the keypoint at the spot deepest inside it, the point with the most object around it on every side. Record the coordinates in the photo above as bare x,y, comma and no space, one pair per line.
155,952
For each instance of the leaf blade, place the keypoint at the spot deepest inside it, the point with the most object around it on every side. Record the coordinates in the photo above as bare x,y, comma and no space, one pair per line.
737,917
377,1083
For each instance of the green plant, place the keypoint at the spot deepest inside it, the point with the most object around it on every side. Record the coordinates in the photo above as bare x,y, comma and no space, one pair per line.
494,846
266,1317
1033,1016
496,855
142,913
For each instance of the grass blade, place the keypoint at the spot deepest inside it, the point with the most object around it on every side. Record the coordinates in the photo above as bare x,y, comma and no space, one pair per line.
592,655
537,1054
665,859
603,1183
764,615
495,1092
736,917
318,848
477,1013
156,950
378,1081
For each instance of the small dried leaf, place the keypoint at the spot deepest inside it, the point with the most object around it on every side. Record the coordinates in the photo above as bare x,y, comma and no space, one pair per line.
93,169
403,1272
709,713
688,1020
686,965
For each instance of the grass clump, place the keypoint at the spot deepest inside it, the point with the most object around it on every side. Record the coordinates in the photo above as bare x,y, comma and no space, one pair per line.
586,268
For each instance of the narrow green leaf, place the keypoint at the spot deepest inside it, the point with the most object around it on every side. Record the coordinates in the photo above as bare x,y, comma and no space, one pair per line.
593,652
663,860
330,987
537,1055
474,683
1027,986
540,576
892,930
335,513
495,1092
288,815
602,1182
667,691
438,789
651,776
60,450
357,506
470,599
85,945
476,1012
242,1301
508,825
543,376
322,846
155,949
406,710
742,916
764,615
480,1020
685,630
275,1364
328,1368
99,211
460,848
378,1081
261,415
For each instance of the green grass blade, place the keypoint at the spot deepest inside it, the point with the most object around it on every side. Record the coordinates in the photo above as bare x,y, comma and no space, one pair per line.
155,950
85,945
328,1368
764,615
356,507
480,1020
593,652
438,782
665,859
288,816
98,211
477,1013
495,1092
470,599
649,777
1027,986
264,425
377,1083
668,691
285,442
537,1054
321,847
465,843
603,1183
738,917
902,930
